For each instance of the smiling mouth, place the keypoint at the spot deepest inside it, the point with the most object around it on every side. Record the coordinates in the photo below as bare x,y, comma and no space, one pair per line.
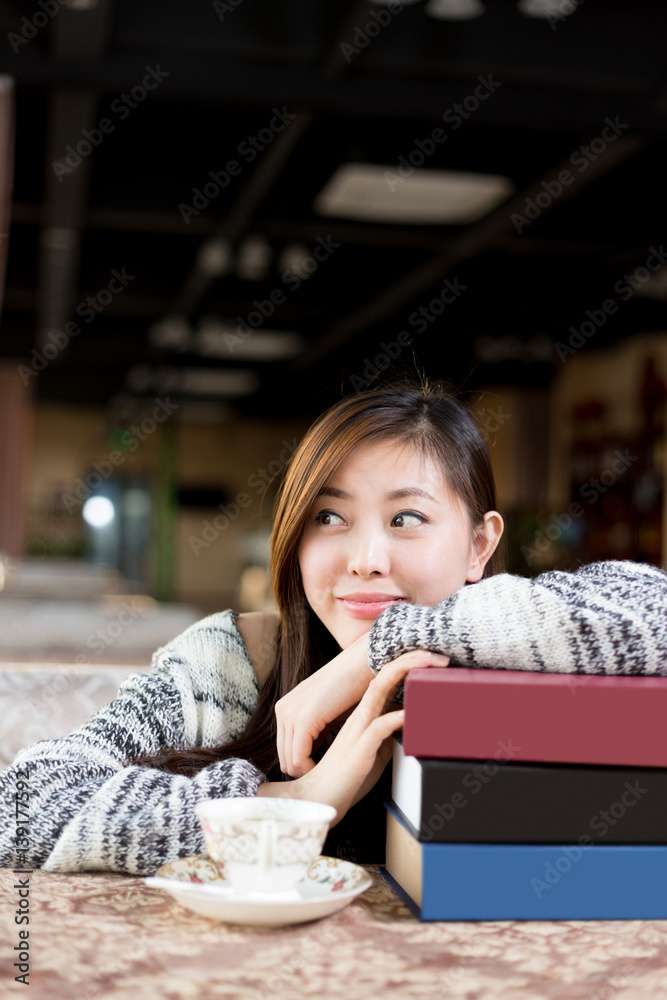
369,605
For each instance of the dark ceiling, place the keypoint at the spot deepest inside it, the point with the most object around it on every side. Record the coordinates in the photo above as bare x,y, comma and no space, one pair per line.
290,92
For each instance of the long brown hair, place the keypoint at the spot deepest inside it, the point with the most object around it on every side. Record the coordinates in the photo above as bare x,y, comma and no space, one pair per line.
429,417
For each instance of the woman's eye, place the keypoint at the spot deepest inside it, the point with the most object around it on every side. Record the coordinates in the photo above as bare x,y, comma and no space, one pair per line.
407,519
327,517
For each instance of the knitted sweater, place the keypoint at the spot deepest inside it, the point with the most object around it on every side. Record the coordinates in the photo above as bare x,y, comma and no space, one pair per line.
606,618
87,810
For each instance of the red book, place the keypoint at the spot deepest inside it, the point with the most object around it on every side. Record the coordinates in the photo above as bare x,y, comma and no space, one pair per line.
516,715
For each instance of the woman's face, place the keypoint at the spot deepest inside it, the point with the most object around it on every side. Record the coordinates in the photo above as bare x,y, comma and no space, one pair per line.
387,529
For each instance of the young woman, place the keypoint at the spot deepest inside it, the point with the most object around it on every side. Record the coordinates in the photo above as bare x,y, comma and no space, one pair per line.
384,555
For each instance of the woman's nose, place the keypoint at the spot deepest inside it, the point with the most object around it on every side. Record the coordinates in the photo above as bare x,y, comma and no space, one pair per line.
368,554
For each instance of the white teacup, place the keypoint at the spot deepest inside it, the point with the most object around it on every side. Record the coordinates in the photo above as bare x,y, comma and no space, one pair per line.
264,844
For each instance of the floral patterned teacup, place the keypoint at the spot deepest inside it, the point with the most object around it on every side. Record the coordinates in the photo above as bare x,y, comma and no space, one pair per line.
264,844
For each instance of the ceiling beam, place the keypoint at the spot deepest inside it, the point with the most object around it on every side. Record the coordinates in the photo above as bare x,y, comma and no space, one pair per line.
351,233
7,135
236,82
78,35
474,240
70,111
270,165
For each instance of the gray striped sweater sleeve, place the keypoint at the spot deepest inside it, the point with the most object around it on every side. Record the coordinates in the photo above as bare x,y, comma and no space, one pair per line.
87,810
605,618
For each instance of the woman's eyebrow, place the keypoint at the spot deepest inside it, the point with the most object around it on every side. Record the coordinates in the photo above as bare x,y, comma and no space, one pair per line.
400,494
409,491
333,491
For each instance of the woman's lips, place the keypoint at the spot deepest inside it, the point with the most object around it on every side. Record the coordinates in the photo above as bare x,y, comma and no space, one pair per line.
368,605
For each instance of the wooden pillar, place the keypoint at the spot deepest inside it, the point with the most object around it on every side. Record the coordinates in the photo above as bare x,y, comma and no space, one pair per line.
531,442
165,513
6,169
663,470
16,420
16,437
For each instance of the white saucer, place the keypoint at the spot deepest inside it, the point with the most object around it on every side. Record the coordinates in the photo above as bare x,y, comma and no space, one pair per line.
196,882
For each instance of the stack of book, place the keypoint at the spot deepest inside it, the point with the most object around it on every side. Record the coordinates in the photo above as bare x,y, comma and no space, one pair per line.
530,796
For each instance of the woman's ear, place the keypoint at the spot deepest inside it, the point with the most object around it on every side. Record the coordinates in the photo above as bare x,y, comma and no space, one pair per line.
484,544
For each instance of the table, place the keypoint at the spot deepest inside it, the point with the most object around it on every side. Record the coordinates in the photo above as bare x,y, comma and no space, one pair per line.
99,935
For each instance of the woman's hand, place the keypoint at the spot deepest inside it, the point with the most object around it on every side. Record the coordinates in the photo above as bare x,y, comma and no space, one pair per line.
360,752
305,712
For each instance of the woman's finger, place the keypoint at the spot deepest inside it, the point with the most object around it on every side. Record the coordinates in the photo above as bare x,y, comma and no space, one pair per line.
383,687
383,727
286,762
363,751
280,743
302,748
386,683
425,657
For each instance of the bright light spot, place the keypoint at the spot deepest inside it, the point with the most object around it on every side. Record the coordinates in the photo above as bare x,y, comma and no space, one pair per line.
454,10
98,511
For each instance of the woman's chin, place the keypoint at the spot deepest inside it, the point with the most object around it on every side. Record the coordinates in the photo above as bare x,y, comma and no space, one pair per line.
353,631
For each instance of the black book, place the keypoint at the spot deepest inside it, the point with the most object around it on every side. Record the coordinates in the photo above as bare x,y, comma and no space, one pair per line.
496,801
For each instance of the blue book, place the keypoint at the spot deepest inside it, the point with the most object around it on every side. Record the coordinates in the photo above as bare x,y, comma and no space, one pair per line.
585,881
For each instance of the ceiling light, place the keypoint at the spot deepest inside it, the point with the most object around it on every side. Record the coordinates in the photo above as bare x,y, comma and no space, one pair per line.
653,285
230,383
60,238
98,512
425,197
254,258
215,258
296,258
541,8
82,4
139,378
196,411
222,382
454,10
171,333
217,338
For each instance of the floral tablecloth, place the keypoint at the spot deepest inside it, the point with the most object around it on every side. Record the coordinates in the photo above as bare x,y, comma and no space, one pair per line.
96,935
